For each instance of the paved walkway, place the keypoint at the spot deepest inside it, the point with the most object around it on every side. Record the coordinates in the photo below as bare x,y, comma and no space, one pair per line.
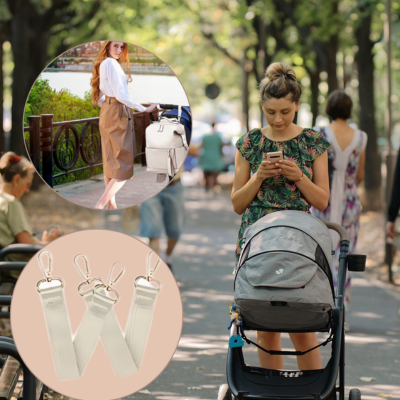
140,188
203,264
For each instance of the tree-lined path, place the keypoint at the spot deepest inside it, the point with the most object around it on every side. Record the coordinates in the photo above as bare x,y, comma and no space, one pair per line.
203,265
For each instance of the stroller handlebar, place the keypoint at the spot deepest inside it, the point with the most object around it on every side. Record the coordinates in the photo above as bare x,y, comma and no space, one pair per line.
168,106
339,229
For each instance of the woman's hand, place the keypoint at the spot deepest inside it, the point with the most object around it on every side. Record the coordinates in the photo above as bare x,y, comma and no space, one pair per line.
267,170
48,237
289,170
152,107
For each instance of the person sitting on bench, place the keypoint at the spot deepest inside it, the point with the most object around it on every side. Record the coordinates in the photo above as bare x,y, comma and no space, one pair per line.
16,175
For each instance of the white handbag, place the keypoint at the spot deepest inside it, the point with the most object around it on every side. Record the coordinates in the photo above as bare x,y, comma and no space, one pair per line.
166,146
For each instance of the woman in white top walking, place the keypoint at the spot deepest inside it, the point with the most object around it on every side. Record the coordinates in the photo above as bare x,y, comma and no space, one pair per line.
110,91
346,160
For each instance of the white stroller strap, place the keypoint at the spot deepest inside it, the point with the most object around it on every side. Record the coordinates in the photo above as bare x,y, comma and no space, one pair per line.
114,342
141,313
182,132
59,331
58,327
91,327
170,165
140,319
100,306
72,356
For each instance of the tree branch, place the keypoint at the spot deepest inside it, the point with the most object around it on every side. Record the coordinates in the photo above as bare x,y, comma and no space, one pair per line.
214,42
210,36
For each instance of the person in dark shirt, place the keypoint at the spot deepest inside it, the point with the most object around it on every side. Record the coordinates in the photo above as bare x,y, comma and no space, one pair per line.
395,201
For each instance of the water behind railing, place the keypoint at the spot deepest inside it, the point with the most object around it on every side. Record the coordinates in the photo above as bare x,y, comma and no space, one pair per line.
143,88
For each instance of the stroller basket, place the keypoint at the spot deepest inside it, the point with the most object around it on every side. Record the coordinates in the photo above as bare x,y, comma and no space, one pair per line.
283,280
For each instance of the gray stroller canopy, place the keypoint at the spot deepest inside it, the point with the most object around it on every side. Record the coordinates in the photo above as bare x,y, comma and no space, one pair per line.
302,221
283,278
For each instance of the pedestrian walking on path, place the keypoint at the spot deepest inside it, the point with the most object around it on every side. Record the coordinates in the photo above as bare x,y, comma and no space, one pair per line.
296,182
346,161
110,91
166,209
211,158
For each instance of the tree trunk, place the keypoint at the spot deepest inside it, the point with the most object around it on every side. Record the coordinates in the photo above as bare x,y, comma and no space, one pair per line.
246,69
315,81
1,95
331,49
29,45
365,63
314,86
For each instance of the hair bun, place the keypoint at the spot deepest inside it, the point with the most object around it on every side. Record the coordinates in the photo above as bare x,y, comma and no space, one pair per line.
280,70
280,80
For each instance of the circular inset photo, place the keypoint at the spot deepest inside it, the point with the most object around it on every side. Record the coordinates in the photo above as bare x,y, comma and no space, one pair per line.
96,315
107,125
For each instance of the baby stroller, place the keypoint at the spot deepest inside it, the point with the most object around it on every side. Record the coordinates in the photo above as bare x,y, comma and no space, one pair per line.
171,111
283,283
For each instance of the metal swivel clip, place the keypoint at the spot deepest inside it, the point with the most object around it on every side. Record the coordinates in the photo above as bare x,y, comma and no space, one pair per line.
150,272
111,281
85,275
47,273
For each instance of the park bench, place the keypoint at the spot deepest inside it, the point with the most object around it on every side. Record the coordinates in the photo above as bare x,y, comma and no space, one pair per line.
8,287
12,366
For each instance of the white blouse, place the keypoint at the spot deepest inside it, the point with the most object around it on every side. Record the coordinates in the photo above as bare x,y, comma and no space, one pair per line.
113,83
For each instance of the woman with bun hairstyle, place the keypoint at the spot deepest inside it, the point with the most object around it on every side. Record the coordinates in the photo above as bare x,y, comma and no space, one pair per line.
346,160
16,177
110,92
297,182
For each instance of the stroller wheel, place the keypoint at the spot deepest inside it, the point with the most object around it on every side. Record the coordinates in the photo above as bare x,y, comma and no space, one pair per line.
355,394
224,393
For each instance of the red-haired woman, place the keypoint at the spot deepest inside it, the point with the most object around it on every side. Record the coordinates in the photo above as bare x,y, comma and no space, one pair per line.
110,91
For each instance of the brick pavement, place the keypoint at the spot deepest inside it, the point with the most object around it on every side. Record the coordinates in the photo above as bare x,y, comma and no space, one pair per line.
135,191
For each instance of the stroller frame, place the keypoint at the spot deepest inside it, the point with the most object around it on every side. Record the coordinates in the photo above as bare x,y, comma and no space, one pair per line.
246,382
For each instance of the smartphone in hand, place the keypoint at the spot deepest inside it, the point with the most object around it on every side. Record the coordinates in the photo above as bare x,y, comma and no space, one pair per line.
274,156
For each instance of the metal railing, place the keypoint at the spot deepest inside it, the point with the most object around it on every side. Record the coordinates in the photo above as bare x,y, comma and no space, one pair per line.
59,144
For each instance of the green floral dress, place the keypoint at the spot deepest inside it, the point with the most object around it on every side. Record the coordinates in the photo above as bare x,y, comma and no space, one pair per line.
278,193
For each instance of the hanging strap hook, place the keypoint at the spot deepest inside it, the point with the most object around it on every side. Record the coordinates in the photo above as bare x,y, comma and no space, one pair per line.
113,281
150,271
47,273
85,275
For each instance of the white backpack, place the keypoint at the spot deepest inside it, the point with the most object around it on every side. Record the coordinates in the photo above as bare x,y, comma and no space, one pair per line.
166,146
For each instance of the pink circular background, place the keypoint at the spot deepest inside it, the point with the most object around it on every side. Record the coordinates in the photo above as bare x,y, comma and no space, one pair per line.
102,248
